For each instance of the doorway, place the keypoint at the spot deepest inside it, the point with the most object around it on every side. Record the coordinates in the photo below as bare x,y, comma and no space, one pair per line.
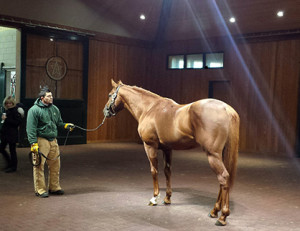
221,90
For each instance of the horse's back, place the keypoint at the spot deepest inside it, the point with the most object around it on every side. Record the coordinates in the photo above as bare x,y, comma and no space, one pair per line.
211,110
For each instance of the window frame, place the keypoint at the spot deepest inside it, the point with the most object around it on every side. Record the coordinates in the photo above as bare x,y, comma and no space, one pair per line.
184,62
185,58
214,53
192,68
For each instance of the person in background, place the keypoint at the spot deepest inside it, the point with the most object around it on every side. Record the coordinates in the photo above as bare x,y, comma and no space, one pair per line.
43,120
9,133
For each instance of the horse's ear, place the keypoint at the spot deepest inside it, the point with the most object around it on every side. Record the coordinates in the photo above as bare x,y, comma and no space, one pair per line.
113,83
120,82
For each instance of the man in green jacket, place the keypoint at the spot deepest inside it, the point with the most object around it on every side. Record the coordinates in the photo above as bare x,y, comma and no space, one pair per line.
43,119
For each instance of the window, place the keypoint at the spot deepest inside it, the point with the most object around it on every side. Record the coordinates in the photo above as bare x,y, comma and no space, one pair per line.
214,60
176,62
196,61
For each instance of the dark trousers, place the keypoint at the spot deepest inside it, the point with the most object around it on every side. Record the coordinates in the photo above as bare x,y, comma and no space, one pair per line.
12,160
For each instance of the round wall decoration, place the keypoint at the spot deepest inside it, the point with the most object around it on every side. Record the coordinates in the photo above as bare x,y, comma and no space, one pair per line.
56,68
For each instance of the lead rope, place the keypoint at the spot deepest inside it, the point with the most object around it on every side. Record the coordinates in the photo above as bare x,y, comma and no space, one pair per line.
90,130
35,159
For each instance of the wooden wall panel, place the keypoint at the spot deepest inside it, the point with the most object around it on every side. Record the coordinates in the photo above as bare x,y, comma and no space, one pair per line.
256,71
286,90
108,61
264,78
39,50
100,71
75,57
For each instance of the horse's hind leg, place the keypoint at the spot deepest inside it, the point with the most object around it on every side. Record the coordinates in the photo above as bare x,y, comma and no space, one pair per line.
214,212
167,170
222,203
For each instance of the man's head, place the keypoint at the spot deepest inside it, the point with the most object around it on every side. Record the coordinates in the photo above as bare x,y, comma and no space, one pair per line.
46,96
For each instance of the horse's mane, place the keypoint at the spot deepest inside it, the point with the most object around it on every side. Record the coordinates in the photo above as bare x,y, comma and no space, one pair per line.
144,91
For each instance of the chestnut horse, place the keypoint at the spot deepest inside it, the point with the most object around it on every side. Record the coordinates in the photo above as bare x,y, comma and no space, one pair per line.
164,124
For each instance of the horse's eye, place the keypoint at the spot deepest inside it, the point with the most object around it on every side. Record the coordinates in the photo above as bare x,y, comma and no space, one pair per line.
109,95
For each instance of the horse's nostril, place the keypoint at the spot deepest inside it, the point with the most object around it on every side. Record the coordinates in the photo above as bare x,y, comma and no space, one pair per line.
106,112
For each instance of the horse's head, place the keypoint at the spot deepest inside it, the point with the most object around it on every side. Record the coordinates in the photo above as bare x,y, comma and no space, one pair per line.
114,103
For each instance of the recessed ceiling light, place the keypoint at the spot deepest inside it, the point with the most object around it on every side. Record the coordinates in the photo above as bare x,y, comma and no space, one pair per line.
232,19
142,17
280,13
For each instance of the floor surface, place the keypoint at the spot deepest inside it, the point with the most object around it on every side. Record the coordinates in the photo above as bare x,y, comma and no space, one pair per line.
108,186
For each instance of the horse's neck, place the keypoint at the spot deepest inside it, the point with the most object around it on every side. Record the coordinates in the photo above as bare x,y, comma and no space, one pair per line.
137,100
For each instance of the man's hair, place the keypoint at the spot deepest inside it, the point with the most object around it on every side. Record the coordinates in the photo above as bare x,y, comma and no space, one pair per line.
43,91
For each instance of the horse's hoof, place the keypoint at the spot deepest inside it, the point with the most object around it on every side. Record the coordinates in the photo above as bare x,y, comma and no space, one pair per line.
212,215
220,223
154,199
166,203
151,204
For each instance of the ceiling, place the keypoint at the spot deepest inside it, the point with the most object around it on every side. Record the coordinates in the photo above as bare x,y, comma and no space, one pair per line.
164,19
189,19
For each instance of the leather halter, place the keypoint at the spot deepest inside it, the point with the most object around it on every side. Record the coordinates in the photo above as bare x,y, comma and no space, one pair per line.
110,109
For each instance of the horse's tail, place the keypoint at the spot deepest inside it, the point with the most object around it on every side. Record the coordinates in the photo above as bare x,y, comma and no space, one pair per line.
230,152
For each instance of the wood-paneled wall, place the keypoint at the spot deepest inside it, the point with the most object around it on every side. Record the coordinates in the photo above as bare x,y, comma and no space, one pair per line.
264,79
263,76
39,50
111,60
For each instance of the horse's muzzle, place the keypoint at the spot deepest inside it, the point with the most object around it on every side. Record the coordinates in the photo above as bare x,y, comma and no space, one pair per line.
108,112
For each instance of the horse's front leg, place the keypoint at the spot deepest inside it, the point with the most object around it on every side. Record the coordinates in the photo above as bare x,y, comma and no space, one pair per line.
152,156
167,170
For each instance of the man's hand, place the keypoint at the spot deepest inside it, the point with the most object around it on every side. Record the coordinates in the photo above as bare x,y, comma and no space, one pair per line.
69,126
35,148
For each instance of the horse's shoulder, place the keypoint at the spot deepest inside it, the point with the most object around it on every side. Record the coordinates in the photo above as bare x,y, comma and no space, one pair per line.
146,130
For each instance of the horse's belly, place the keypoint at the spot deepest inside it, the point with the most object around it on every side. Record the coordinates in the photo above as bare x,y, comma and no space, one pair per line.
181,143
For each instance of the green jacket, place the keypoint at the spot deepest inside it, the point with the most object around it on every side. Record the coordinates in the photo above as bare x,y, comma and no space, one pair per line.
43,121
